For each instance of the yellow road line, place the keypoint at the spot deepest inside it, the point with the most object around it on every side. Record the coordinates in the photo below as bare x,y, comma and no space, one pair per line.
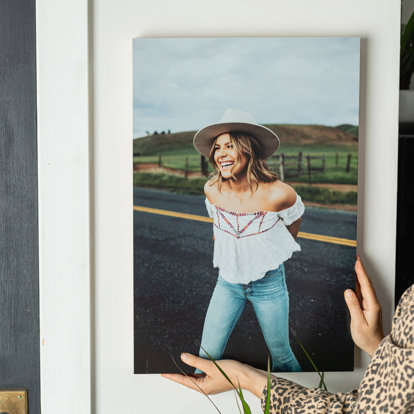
173,214
301,234
327,239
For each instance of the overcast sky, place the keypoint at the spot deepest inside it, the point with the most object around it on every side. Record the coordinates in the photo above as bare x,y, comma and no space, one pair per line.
185,84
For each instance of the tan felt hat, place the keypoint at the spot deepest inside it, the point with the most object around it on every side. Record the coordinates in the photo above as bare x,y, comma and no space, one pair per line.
235,120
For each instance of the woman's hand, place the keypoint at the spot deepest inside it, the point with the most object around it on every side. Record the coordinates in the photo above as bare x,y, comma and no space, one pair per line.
213,381
365,310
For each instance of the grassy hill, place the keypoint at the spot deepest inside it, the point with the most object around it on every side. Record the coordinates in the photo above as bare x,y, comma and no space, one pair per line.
351,129
176,152
289,134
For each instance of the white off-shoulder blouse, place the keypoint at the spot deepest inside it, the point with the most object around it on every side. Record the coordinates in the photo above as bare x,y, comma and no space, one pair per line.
247,245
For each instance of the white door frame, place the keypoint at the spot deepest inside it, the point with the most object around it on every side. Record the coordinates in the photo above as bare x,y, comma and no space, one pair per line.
64,205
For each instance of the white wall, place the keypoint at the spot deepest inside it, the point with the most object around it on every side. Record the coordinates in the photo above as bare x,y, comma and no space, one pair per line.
112,27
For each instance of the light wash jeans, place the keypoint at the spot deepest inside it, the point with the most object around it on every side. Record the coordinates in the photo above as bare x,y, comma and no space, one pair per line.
270,300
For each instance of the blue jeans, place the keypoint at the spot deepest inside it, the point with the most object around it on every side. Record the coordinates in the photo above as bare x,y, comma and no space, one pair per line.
270,300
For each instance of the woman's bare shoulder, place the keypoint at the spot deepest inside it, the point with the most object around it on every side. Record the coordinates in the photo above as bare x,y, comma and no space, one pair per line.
281,195
211,191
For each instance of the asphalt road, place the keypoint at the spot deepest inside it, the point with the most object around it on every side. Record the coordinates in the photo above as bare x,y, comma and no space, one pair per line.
174,279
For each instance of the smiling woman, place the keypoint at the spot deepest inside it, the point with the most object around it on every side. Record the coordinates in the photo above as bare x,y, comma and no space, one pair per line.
225,156
256,220
234,152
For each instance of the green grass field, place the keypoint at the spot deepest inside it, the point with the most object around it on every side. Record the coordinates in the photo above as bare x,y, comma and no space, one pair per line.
176,161
334,143
170,182
334,166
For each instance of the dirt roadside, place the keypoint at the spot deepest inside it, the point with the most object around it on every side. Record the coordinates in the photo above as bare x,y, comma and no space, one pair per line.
154,167
343,207
335,187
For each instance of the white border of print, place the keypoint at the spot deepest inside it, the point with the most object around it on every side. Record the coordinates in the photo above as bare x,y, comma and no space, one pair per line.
86,298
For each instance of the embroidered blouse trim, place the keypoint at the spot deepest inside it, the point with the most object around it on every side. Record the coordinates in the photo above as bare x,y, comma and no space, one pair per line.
237,232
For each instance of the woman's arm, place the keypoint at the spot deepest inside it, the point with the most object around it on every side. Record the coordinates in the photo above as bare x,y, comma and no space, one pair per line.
284,393
290,207
294,228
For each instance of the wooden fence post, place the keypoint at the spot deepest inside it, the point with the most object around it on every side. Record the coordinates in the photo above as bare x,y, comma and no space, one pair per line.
186,168
204,166
348,163
323,163
282,166
159,162
309,168
299,162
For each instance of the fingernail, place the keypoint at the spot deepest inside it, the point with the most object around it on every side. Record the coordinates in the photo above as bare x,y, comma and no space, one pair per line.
348,293
184,356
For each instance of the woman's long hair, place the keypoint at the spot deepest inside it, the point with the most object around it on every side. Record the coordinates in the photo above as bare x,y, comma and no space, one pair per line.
257,170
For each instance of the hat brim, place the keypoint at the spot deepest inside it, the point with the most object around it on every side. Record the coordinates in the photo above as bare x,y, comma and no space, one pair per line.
204,138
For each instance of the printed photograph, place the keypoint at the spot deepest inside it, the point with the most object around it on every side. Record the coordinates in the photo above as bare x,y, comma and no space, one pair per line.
245,170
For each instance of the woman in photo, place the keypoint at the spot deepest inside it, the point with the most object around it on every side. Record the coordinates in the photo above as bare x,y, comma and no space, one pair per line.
256,220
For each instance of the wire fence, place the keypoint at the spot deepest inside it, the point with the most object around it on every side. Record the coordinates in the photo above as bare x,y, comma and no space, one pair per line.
288,166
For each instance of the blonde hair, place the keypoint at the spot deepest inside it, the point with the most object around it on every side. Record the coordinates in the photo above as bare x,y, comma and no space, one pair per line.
257,169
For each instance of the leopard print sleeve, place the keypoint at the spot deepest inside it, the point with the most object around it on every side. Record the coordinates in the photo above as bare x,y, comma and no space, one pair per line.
387,386
388,383
289,397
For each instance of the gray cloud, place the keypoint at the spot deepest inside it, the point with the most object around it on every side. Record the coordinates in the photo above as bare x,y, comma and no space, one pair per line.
183,84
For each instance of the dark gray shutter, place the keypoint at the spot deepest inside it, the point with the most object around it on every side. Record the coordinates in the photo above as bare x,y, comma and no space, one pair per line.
19,274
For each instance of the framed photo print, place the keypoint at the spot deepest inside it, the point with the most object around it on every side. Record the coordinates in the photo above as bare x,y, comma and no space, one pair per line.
245,163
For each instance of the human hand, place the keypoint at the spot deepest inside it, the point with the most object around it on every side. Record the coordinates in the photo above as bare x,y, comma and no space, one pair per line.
214,382
365,310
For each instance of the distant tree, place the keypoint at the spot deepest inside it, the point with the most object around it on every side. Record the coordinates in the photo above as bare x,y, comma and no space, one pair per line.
169,131
148,133
155,133
163,133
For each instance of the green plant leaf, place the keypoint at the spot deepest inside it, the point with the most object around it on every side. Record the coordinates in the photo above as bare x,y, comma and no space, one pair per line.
407,34
321,382
218,367
321,375
407,53
267,406
246,408
237,400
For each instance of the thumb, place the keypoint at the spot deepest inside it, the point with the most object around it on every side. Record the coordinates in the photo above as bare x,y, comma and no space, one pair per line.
196,362
354,307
